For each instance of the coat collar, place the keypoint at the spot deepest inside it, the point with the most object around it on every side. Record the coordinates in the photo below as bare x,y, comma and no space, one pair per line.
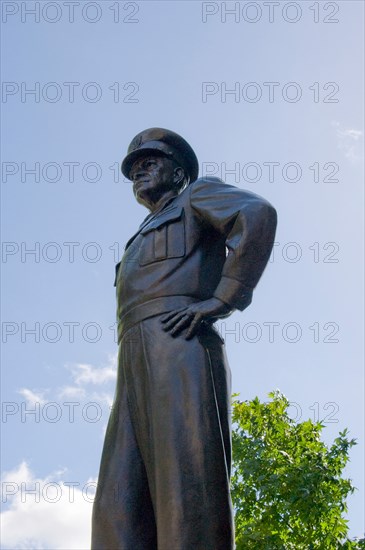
161,210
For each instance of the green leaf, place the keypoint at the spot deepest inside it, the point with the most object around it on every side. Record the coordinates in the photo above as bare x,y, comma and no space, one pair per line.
287,487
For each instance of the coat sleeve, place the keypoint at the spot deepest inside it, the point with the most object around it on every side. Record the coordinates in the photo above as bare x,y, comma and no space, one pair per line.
248,224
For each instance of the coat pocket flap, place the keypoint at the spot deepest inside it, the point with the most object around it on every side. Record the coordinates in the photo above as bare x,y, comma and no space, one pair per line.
167,216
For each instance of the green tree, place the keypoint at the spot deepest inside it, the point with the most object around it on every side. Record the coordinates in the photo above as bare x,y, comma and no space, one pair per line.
287,488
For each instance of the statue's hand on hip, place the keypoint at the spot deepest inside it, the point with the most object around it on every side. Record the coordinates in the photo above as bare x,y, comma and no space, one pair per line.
192,316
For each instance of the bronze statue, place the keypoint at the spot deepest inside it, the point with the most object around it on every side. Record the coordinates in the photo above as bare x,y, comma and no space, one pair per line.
165,469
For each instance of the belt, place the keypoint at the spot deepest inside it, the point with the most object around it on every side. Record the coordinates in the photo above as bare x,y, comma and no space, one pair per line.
164,304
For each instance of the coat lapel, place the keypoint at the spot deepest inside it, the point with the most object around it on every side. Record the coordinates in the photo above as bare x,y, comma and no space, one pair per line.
149,219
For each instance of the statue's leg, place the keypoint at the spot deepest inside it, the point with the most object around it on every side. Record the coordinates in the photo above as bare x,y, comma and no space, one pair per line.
123,517
181,392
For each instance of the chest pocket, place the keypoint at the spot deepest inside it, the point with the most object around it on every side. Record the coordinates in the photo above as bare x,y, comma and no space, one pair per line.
163,237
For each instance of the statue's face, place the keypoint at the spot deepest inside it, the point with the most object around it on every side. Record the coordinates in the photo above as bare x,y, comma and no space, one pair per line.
152,176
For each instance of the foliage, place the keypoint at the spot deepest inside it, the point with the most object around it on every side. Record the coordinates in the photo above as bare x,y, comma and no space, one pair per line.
287,488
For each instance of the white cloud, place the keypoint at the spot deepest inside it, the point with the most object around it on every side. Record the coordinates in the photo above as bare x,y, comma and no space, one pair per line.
349,141
56,516
87,374
84,377
71,392
32,397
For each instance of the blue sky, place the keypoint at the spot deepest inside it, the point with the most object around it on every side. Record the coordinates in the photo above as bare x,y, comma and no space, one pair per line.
290,130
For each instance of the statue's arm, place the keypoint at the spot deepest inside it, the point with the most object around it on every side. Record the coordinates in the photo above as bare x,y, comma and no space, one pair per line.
248,224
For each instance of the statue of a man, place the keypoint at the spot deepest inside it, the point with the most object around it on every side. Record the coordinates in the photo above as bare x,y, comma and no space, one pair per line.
164,479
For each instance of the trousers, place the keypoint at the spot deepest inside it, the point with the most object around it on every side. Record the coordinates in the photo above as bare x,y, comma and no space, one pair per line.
165,467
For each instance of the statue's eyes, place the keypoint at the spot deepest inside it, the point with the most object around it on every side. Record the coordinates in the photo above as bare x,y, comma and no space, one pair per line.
150,163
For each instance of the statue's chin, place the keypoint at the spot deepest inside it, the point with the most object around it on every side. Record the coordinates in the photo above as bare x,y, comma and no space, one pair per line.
143,201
